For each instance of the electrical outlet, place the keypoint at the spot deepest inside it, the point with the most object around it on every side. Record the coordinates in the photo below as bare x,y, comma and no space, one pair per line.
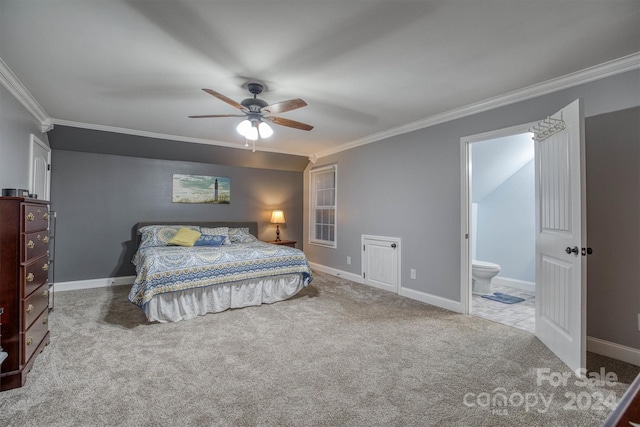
348,260
413,273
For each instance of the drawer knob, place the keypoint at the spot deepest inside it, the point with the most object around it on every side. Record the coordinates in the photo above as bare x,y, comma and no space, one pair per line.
29,308
45,293
45,239
45,320
30,244
45,267
30,277
30,216
45,216
29,340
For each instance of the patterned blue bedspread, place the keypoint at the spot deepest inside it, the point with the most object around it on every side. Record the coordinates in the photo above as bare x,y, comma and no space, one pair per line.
163,269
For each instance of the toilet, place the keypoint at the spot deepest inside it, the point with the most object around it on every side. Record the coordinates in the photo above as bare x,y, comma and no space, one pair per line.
481,274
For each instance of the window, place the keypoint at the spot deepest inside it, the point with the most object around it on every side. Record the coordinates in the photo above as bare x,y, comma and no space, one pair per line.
322,216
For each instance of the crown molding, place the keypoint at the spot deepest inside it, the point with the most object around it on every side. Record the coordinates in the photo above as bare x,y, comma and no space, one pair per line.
20,92
607,69
169,137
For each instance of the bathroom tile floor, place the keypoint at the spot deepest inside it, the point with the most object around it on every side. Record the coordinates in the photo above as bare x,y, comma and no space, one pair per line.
519,315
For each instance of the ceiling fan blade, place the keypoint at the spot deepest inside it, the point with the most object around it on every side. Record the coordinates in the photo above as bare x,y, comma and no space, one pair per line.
284,106
225,99
290,123
216,115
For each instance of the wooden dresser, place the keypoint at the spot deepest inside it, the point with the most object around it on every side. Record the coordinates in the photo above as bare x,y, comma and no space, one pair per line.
24,289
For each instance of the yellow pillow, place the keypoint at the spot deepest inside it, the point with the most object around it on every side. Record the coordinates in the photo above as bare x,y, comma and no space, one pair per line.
185,237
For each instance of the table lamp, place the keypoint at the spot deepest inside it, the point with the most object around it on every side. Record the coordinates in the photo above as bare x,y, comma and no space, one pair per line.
277,218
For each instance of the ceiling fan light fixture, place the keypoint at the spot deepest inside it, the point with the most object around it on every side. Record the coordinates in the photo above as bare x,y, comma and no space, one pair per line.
256,112
251,133
244,127
265,130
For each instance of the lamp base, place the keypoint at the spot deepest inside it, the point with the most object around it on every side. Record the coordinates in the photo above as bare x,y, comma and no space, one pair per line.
277,232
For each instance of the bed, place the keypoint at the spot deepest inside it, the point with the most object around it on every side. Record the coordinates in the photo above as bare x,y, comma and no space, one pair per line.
228,267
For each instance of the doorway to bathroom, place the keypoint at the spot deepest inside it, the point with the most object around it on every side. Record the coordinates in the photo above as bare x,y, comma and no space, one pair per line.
502,229
560,231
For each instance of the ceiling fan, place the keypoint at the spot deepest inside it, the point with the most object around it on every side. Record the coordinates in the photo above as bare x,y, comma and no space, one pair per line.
257,113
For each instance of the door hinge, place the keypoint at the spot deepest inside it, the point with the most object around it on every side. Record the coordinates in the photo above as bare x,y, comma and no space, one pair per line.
466,236
364,247
364,275
48,167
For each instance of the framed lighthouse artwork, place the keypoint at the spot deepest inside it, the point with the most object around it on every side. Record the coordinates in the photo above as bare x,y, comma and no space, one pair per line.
201,189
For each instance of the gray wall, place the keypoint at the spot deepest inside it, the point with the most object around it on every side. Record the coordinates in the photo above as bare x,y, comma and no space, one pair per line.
16,126
98,199
613,226
415,179
506,226
101,142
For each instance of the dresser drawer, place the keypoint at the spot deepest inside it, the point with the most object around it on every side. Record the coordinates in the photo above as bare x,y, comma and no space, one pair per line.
34,335
35,245
35,304
34,275
35,217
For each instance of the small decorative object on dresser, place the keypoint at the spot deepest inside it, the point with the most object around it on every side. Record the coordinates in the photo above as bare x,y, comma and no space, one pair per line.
24,293
290,243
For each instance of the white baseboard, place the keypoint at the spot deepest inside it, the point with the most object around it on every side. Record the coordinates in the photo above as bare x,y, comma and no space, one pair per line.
405,292
93,283
338,273
445,303
514,283
613,350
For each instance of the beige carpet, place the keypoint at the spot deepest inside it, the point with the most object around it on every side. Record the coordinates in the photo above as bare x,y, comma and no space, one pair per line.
338,354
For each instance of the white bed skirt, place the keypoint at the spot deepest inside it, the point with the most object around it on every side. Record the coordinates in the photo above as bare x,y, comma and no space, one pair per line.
187,304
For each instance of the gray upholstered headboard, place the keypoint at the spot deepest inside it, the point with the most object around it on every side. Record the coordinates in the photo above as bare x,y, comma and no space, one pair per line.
252,225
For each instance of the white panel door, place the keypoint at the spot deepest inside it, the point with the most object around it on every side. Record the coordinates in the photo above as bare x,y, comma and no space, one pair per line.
380,261
39,168
560,235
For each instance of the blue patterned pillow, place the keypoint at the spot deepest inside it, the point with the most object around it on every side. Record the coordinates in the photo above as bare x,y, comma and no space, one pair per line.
206,240
160,235
217,231
241,235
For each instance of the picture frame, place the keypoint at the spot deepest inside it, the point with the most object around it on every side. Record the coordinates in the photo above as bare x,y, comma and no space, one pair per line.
201,189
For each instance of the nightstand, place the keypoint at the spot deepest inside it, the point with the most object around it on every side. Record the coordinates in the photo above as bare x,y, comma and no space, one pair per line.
290,243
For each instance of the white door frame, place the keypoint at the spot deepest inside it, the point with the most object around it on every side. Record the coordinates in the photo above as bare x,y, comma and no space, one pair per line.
36,140
465,203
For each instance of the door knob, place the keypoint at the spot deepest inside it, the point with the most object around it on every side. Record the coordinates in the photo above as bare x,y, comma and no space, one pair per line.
573,250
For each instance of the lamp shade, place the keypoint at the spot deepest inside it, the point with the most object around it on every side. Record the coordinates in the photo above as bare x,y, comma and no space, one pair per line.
277,217
247,129
252,133
243,127
265,130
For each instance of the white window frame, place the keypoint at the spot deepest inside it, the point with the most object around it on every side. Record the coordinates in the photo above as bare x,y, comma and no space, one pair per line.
313,206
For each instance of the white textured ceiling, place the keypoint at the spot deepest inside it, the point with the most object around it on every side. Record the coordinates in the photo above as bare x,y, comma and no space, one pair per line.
364,67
